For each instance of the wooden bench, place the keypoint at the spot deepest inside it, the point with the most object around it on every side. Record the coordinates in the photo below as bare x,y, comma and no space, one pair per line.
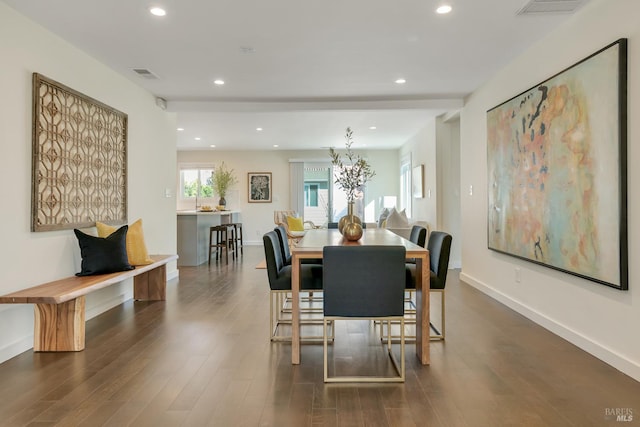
60,305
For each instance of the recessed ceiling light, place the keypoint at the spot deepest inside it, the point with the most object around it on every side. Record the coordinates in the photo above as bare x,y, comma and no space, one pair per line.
218,82
401,81
373,127
197,138
158,11
275,145
445,8
212,146
180,129
259,129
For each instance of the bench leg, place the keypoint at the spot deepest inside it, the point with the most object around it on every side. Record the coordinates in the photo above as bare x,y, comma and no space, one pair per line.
152,285
59,327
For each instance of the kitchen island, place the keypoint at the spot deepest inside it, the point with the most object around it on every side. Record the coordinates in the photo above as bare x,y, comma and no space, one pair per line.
193,233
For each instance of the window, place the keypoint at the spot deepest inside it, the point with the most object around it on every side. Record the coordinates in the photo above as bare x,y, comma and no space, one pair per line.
310,195
317,197
196,183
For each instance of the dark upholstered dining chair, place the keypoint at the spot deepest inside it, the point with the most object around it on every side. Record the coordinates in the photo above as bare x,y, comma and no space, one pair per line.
286,249
418,235
279,276
364,282
439,246
284,244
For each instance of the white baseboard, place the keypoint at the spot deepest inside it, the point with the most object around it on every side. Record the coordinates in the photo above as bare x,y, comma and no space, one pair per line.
587,344
173,274
13,349
106,305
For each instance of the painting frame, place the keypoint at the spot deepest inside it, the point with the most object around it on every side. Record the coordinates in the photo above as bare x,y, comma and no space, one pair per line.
557,171
260,187
79,159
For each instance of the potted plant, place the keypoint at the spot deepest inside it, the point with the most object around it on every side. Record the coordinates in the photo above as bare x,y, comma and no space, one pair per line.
221,179
350,174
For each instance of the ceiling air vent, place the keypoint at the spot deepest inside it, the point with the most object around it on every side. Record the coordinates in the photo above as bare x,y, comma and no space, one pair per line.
550,6
143,72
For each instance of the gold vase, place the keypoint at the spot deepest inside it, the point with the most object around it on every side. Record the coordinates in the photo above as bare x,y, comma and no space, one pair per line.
349,217
352,231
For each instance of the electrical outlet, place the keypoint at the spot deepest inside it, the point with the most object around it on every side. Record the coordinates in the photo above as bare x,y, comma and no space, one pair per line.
518,275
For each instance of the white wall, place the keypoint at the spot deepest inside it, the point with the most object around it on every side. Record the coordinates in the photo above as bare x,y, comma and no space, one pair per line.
437,147
422,148
601,320
28,258
257,218
448,185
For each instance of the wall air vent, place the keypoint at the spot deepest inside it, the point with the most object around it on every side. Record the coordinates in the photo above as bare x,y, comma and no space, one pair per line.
144,73
535,7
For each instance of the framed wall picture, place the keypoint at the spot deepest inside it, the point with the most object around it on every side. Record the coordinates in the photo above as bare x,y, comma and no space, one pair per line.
259,187
417,178
557,171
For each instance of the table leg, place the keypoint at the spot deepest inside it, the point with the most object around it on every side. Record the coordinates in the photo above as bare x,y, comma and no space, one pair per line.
422,310
295,310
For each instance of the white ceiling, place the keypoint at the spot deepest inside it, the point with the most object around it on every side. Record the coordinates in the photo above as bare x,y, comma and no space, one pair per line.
301,70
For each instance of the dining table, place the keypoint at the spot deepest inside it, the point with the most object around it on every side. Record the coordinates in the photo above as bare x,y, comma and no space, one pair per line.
311,246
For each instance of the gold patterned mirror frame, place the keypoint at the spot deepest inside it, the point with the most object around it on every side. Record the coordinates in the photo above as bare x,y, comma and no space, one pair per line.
79,159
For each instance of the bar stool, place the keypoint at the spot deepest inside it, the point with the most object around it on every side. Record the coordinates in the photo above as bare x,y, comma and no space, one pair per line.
238,237
223,235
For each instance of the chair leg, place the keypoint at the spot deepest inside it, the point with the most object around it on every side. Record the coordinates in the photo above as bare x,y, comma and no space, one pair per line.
211,231
325,346
439,334
398,365
226,244
277,303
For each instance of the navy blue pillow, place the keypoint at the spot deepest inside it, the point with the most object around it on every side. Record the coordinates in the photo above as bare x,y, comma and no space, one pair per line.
103,255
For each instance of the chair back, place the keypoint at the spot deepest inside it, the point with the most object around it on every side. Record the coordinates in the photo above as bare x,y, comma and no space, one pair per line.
364,281
284,244
439,249
273,257
418,235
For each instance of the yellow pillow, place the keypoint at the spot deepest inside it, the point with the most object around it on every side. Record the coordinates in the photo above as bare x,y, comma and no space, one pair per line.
136,248
295,224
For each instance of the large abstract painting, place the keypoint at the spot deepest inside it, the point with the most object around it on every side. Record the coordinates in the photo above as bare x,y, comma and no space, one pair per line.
79,165
556,162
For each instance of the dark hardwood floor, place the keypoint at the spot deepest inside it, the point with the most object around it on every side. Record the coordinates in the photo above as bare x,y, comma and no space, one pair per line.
203,358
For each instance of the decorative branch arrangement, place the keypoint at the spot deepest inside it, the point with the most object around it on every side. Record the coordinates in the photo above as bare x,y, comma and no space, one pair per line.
223,178
352,173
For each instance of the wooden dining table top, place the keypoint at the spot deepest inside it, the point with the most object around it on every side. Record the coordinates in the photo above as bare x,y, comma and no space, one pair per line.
314,240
